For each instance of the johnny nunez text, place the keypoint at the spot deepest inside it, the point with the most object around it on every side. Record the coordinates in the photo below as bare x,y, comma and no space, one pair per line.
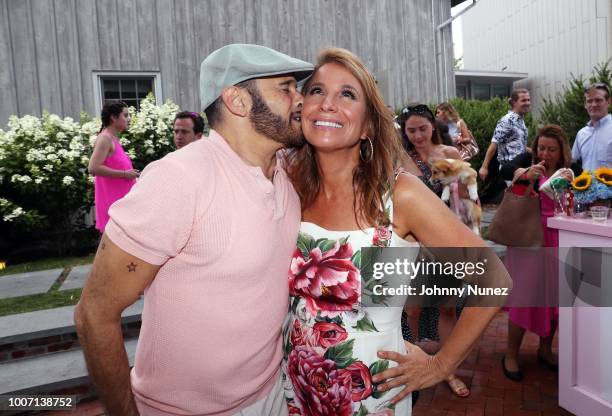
407,290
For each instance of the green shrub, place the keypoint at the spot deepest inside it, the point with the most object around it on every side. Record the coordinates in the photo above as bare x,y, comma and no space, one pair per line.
45,188
43,172
567,109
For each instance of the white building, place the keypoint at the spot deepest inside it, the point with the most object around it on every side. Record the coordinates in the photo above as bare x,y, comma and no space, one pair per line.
549,40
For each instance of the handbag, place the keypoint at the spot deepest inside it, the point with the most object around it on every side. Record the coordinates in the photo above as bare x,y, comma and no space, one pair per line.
517,220
469,149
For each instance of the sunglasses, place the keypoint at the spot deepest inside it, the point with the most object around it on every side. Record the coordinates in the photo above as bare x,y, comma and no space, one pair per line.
417,109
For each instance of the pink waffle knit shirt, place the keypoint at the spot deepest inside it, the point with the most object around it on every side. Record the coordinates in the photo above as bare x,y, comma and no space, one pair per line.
224,234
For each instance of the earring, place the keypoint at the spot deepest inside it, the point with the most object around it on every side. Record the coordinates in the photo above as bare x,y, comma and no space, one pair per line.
367,158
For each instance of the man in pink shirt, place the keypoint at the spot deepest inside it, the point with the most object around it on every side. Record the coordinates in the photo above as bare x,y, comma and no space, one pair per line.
207,233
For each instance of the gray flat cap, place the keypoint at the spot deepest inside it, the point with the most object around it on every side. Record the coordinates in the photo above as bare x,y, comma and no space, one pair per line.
238,62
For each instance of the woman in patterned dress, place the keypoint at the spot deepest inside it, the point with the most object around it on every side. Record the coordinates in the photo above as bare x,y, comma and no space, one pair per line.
342,356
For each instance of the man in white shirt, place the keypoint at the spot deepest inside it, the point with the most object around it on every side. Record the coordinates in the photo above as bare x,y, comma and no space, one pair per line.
593,144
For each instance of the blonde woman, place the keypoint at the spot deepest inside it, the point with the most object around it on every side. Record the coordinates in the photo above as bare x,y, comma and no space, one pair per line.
457,129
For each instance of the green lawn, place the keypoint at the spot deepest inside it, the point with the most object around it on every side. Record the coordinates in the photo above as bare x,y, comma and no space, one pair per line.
54,298
49,300
46,264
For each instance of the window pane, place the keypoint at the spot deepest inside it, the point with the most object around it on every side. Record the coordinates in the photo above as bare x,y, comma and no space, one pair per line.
461,92
501,91
128,89
482,91
144,86
133,103
110,89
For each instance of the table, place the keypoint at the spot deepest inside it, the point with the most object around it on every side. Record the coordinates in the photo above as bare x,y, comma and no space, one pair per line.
585,336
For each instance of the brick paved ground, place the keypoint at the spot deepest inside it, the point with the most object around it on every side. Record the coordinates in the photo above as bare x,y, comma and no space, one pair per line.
491,393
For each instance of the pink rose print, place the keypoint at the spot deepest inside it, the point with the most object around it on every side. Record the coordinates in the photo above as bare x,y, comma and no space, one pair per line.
293,410
329,282
318,387
296,334
361,380
327,334
382,237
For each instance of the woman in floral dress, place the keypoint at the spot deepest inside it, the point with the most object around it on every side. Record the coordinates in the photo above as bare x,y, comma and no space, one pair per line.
341,356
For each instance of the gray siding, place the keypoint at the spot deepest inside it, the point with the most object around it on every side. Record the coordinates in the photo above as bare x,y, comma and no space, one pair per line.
49,48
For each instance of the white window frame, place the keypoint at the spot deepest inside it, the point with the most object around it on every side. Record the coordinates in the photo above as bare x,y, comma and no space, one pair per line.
97,83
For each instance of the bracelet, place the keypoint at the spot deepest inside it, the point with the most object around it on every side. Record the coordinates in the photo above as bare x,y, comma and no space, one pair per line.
124,173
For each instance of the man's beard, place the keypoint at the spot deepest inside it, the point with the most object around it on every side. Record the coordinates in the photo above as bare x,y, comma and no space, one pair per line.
272,125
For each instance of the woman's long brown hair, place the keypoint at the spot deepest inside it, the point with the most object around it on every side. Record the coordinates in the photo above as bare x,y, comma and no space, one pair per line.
554,132
372,180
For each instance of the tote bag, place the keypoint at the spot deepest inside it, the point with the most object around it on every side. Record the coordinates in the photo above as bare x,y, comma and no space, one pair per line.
517,220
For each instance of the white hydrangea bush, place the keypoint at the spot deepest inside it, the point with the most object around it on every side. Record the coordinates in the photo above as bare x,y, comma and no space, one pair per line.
44,182
150,135
43,170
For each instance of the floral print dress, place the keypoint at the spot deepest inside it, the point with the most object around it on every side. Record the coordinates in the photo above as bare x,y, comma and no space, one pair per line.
331,340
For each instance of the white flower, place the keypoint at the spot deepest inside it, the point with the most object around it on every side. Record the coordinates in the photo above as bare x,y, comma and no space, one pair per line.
21,178
76,144
16,213
35,155
303,313
67,180
48,168
355,315
60,135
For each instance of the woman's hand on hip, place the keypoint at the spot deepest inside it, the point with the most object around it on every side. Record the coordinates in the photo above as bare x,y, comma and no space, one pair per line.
415,370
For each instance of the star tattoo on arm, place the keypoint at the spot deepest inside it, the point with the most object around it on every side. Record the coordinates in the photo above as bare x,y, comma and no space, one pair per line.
131,267
103,245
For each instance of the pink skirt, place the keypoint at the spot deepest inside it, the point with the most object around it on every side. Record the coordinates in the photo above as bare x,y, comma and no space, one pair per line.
538,319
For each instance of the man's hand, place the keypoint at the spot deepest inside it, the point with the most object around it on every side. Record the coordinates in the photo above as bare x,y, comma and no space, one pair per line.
483,173
484,170
116,281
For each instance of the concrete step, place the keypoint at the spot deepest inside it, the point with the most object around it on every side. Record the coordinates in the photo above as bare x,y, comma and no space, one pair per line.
15,285
50,322
50,372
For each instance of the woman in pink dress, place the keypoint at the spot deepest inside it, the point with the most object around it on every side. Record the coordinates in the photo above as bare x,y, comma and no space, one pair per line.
111,166
550,152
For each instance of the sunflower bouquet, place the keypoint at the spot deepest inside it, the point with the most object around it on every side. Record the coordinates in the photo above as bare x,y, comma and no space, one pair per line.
590,187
